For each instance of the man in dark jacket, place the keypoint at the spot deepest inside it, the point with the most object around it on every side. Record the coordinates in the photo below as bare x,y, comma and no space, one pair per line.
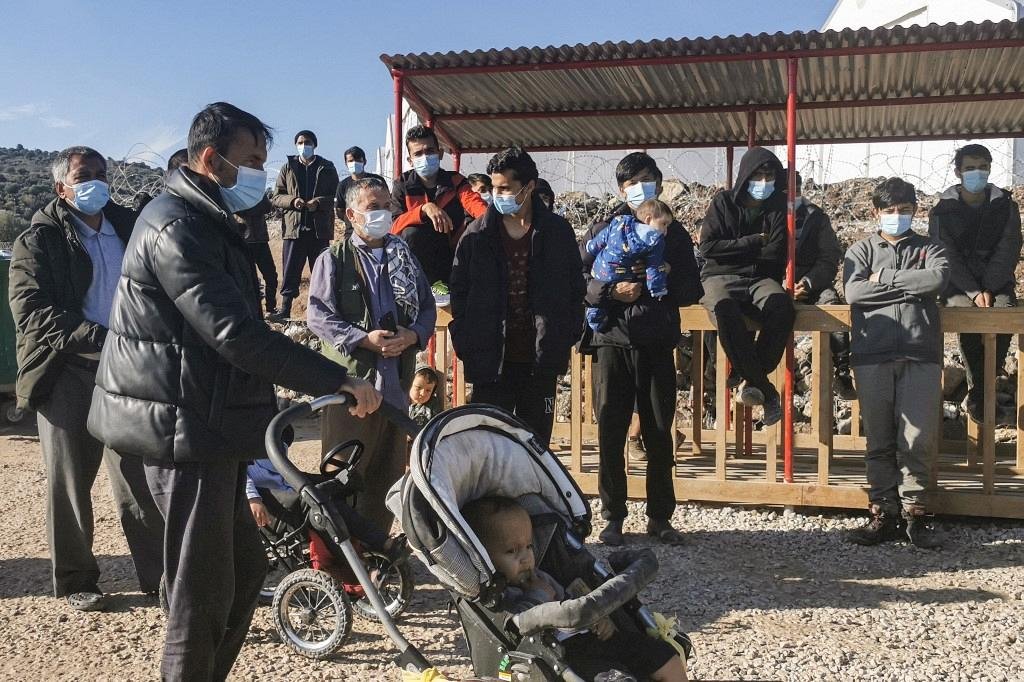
304,191
818,254
64,273
517,297
634,363
743,241
355,164
253,224
978,224
186,383
430,205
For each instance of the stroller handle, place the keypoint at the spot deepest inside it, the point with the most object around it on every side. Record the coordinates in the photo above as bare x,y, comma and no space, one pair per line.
277,451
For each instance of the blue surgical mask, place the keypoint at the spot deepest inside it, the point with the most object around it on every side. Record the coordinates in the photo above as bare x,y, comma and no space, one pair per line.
895,224
248,189
975,180
91,196
759,190
355,167
305,150
640,192
507,204
486,196
427,165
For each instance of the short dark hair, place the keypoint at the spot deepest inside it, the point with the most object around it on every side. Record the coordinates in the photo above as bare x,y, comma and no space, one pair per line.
514,159
474,178
62,164
217,124
427,373
420,132
357,153
544,189
479,512
893,191
306,133
177,160
978,150
634,164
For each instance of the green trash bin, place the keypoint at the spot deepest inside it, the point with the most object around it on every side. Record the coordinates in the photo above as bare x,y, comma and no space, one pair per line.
8,360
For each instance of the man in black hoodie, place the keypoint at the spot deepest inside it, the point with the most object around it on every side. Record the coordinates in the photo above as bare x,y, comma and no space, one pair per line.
743,241
634,363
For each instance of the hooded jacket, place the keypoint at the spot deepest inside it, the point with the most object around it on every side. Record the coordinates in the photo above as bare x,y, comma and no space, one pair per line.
49,277
452,194
647,321
729,243
189,366
318,180
982,245
479,294
818,252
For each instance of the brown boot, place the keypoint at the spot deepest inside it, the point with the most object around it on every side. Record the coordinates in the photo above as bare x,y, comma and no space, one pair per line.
919,529
883,526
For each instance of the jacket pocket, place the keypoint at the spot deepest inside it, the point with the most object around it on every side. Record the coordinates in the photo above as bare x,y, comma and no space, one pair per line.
874,330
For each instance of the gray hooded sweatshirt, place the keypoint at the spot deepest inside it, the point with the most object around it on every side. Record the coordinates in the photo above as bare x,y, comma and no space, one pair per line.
897,317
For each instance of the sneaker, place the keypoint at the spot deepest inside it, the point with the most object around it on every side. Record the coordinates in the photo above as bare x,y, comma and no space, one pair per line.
772,410
87,601
612,534
635,446
442,296
664,532
919,530
750,396
882,527
843,385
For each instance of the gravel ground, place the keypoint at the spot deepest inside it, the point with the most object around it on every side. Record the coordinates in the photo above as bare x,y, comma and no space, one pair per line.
766,595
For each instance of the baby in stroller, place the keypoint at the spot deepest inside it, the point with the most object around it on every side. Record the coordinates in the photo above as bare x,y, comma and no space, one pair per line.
498,520
506,531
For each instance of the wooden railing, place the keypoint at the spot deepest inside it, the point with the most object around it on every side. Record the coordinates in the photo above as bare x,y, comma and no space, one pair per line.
733,463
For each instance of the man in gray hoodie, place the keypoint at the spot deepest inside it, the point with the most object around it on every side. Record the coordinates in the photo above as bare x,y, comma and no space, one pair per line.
892,281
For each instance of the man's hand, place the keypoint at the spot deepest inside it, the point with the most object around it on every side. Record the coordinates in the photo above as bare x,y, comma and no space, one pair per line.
603,629
376,340
874,277
800,291
627,292
298,204
983,300
313,204
441,220
366,396
259,512
396,344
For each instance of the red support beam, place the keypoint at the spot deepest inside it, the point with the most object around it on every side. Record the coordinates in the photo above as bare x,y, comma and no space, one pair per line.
787,398
399,82
456,161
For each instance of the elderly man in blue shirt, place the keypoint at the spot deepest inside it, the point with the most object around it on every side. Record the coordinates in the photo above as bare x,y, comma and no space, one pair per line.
64,273
371,305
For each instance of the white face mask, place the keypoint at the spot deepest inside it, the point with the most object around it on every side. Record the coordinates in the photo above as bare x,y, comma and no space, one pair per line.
377,223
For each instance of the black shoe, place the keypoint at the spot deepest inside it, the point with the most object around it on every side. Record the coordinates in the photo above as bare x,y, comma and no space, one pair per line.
919,530
734,380
772,409
271,305
664,532
285,313
844,385
612,534
882,527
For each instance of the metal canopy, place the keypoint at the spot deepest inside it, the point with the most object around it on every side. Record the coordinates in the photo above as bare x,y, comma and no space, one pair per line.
853,85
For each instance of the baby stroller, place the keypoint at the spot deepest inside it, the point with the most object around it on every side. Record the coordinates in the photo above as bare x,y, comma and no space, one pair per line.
312,611
476,451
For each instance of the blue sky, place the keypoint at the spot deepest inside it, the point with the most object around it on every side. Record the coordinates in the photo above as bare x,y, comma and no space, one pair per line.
126,77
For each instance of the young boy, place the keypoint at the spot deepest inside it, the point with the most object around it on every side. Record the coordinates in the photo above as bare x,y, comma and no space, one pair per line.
628,241
892,279
423,395
506,532
481,184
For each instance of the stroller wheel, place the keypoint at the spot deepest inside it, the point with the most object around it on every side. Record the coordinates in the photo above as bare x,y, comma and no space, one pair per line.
394,582
275,574
312,614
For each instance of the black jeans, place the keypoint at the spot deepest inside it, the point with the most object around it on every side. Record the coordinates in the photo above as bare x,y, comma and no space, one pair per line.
264,260
730,298
646,378
214,565
528,395
432,249
972,346
296,253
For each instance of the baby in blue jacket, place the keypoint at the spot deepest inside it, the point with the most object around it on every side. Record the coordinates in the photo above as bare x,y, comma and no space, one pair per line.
627,241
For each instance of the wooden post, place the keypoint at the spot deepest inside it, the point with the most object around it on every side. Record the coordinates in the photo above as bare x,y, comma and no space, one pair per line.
1020,404
821,402
722,400
988,439
697,392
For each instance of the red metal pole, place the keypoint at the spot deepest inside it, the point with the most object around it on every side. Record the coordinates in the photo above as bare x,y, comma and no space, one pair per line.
730,152
456,160
751,128
399,80
787,405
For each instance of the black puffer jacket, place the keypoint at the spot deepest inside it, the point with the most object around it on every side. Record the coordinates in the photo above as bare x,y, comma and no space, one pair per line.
479,291
50,274
732,245
818,251
188,369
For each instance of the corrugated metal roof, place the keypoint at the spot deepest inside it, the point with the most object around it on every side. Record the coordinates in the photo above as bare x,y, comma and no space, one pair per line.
852,84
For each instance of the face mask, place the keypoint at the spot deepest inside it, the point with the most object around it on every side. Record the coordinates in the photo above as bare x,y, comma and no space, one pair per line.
640,192
760,190
305,150
975,180
91,196
507,204
486,196
426,166
355,167
895,224
248,189
377,223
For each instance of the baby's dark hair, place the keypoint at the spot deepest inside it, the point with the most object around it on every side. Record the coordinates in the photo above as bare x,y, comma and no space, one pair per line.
655,209
479,512
427,373
893,191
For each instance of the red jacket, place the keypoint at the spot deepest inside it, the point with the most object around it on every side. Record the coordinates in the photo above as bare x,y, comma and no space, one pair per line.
452,194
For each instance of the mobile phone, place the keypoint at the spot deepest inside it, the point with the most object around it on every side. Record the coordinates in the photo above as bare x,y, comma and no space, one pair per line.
387,323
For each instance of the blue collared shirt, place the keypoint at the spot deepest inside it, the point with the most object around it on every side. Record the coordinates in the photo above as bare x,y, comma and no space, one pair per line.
106,251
